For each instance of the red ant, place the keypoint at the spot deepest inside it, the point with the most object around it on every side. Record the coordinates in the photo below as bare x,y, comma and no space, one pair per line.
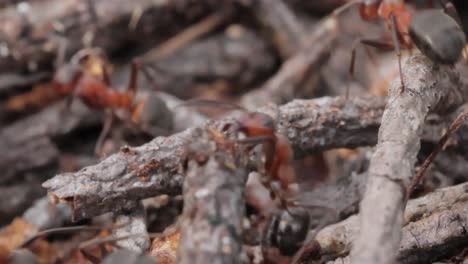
98,93
86,77
260,128
441,40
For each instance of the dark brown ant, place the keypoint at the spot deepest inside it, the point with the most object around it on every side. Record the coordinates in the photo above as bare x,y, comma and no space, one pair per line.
288,225
436,33
285,232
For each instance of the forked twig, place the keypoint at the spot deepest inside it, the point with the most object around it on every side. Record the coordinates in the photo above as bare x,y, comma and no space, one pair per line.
456,124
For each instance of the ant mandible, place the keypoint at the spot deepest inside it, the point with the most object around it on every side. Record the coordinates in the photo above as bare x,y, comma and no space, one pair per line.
437,34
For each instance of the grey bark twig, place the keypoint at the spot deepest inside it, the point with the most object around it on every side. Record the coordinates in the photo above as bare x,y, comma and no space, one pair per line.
156,167
284,29
134,223
298,69
429,88
214,204
434,221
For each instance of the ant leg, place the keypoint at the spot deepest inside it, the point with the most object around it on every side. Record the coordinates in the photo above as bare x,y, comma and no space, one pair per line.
73,95
398,49
372,42
105,76
351,67
144,69
132,84
109,119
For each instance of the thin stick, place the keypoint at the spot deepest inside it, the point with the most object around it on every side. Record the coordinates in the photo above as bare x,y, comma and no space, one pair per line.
183,38
58,231
440,146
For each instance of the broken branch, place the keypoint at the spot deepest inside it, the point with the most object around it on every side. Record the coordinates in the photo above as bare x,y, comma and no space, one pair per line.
429,88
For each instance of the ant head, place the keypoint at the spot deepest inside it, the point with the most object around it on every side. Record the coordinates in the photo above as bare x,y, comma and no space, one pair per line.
290,230
257,124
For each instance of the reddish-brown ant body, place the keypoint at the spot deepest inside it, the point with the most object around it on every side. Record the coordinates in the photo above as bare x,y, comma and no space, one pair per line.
437,34
261,128
85,77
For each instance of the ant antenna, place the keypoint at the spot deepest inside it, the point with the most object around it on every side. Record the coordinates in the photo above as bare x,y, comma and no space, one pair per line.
211,103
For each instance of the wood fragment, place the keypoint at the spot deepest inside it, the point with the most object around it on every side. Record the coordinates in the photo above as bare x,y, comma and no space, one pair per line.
281,25
298,70
17,198
236,57
182,39
433,223
129,224
214,205
440,145
429,88
115,183
30,139
44,215
32,38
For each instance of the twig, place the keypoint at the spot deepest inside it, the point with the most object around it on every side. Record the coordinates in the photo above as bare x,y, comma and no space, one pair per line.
157,167
36,51
237,56
129,224
18,197
214,204
281,24
432,223
298,69
59,230
429,88
45,215
440,145
185,37
29,140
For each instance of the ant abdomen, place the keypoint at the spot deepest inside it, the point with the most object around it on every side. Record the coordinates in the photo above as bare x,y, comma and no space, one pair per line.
437,35
155,114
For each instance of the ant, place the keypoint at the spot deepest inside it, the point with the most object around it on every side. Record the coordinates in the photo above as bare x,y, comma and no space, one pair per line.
99,94
436,33
287,228
260,128
85,77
